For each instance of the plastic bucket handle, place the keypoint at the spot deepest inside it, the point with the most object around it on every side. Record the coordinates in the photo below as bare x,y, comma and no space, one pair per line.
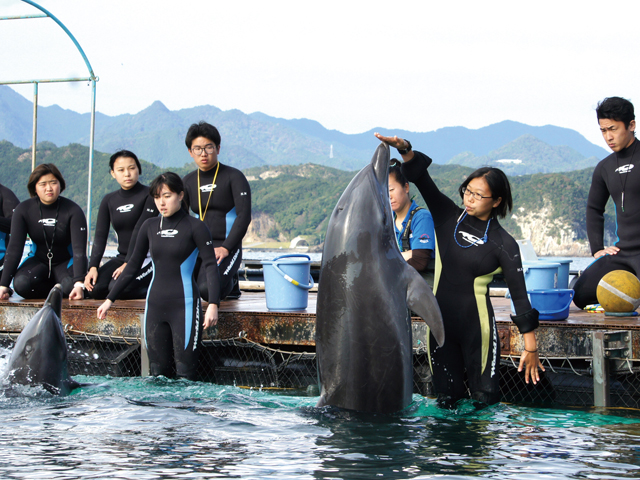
287,277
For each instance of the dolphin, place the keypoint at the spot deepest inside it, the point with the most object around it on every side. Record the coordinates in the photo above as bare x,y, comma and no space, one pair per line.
363,327
39,356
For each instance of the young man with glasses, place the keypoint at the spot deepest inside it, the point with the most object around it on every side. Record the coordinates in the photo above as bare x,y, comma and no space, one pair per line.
220,196
618,177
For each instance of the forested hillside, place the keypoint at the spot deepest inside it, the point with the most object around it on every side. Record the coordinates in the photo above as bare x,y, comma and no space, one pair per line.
299,199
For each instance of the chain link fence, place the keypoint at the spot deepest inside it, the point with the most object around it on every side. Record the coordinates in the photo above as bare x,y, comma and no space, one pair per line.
244,363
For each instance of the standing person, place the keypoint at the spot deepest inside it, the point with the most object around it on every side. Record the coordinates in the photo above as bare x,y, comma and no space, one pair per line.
618,177
471,248
58,229
173,310
220,196
126,209
8,203
413,224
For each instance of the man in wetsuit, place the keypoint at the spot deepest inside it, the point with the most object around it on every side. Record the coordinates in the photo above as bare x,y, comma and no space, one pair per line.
618,177
8,203
220,196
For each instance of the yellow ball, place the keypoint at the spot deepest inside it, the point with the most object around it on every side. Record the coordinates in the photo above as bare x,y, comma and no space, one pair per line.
619,291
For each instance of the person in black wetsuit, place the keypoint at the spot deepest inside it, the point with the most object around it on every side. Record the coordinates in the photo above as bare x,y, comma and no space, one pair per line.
220,196
471,247
8,203
126,209
618,177
58,229
173,312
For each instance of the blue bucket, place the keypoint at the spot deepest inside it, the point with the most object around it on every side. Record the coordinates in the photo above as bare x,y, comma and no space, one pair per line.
563,270
285,282
552,304
540,275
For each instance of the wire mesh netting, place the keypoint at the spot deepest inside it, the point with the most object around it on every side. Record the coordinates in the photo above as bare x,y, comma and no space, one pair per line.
242,362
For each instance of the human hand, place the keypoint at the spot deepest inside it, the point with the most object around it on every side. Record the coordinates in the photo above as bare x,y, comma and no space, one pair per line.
103,309
606,251
529,359
91,278
77,293
118,271
392,141
408,255
221,253
5,293
211,316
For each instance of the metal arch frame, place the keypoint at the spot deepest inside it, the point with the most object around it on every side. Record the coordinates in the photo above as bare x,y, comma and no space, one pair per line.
92,78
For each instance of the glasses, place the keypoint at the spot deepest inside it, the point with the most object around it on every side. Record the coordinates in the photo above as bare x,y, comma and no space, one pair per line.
197,150
475,195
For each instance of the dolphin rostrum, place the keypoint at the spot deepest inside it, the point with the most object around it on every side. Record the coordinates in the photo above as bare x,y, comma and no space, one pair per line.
39,356
363,327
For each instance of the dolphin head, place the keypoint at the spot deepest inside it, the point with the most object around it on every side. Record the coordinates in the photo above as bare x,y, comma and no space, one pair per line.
364,209
40,353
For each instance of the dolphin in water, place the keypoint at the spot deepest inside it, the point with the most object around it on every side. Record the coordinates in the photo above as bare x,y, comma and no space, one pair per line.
363,326
39,356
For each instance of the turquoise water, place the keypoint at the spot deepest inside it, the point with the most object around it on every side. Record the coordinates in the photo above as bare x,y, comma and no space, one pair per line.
154,428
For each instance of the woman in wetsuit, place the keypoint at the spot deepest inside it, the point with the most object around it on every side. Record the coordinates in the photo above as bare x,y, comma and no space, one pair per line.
413,224
126,209
58,229
471,247
8,203
172,318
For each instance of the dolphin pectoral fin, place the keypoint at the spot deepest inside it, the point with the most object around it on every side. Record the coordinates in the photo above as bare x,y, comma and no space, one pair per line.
421,300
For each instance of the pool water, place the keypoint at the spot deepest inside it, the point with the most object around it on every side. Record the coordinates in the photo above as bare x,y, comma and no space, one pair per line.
154,428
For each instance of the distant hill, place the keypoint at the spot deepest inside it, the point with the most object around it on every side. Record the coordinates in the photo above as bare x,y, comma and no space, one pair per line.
157,134
527,154
298,199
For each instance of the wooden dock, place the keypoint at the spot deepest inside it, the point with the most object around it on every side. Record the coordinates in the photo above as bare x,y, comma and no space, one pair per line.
593,342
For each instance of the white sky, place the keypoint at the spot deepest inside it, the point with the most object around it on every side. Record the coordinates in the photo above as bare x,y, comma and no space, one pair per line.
352,66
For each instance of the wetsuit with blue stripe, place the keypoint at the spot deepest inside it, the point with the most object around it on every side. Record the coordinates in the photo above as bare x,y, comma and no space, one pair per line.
173,313
59,229
126,210
465,265
226,207
8,203
617,173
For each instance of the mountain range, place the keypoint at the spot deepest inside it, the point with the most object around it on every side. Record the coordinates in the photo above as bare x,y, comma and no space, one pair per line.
156,134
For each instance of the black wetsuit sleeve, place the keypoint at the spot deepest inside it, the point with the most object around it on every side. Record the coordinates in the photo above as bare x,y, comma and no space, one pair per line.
526,318
420,259
78,228
150,211
133,265
202,239
101,235
242,201
16,245
598,197
440,206
9,203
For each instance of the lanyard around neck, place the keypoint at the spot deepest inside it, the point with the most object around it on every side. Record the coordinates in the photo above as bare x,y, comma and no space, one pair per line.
213,184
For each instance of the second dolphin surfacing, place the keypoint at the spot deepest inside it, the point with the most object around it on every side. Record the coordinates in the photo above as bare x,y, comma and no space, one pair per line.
363,328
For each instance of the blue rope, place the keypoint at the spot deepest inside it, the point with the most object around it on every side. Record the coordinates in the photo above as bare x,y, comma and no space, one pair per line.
455,233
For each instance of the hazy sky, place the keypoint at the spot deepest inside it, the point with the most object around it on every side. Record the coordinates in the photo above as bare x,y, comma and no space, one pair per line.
352,66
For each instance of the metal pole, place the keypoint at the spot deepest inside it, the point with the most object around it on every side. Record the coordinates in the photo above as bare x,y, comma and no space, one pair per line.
91,135
600,366
35,126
